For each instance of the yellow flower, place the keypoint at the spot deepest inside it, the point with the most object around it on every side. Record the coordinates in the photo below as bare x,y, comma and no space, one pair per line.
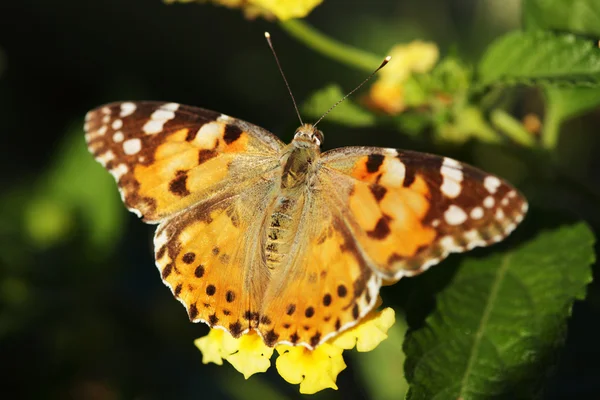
388,92
287,9
280,9
314,370
248,354
367,335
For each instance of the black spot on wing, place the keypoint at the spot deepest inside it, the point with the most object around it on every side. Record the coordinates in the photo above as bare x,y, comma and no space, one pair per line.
378,192
204,155
271,338
374,161
193,312
178,186
232,133
381,230
235,329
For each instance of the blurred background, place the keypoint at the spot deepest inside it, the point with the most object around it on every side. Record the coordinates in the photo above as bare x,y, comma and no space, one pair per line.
83,312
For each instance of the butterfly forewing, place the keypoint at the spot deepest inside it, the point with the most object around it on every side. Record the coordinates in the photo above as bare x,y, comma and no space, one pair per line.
410,210
166,156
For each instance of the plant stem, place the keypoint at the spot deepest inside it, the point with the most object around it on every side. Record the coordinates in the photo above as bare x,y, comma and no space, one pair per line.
331,48
511,128
551,130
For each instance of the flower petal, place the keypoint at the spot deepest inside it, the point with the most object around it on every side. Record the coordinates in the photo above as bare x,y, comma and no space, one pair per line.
252,354
210,347
314,370
287,9
248,354
367,335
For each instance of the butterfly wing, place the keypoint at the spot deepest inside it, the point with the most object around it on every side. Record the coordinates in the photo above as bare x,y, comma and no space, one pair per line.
166,156
209,256
325,287
409,210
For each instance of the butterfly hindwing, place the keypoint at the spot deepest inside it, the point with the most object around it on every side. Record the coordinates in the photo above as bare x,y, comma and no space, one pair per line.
409,210
208,255
166,156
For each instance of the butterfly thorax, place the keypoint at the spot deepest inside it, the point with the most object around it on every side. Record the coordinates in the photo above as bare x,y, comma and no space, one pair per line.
300,157
299,164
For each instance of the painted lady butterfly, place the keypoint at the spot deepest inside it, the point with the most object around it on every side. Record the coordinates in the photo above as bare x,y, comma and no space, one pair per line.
284,239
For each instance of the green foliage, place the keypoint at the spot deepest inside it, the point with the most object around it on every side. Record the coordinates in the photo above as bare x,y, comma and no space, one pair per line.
346,113
578,16
75,190
540,57
498,323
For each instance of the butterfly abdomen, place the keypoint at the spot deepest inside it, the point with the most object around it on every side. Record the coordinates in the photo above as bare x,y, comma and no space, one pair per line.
282,228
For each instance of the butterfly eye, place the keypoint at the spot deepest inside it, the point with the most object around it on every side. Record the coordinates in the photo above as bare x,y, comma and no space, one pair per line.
319,136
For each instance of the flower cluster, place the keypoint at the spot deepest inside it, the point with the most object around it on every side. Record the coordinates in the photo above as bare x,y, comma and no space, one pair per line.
313,370
388,93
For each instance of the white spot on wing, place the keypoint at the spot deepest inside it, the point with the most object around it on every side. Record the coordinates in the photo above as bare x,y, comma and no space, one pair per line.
499,214
159,118
132,146
207,135
477,213
449,244
119,171
473,239
489,202
151,127
117,124
393,172
161,114
170,106
127,109
455,215
452,174
491,183
118,137
104,158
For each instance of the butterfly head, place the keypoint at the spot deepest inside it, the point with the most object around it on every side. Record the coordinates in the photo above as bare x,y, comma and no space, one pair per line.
308,136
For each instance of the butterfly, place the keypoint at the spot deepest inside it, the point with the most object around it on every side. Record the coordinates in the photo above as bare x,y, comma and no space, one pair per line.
283,239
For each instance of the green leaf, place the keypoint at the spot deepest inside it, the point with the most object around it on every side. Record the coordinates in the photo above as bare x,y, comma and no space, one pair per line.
577,16
346,113
531,58
500,320
563,104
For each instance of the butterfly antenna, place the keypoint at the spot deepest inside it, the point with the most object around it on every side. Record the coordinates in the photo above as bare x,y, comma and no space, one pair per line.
268,37
384,62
